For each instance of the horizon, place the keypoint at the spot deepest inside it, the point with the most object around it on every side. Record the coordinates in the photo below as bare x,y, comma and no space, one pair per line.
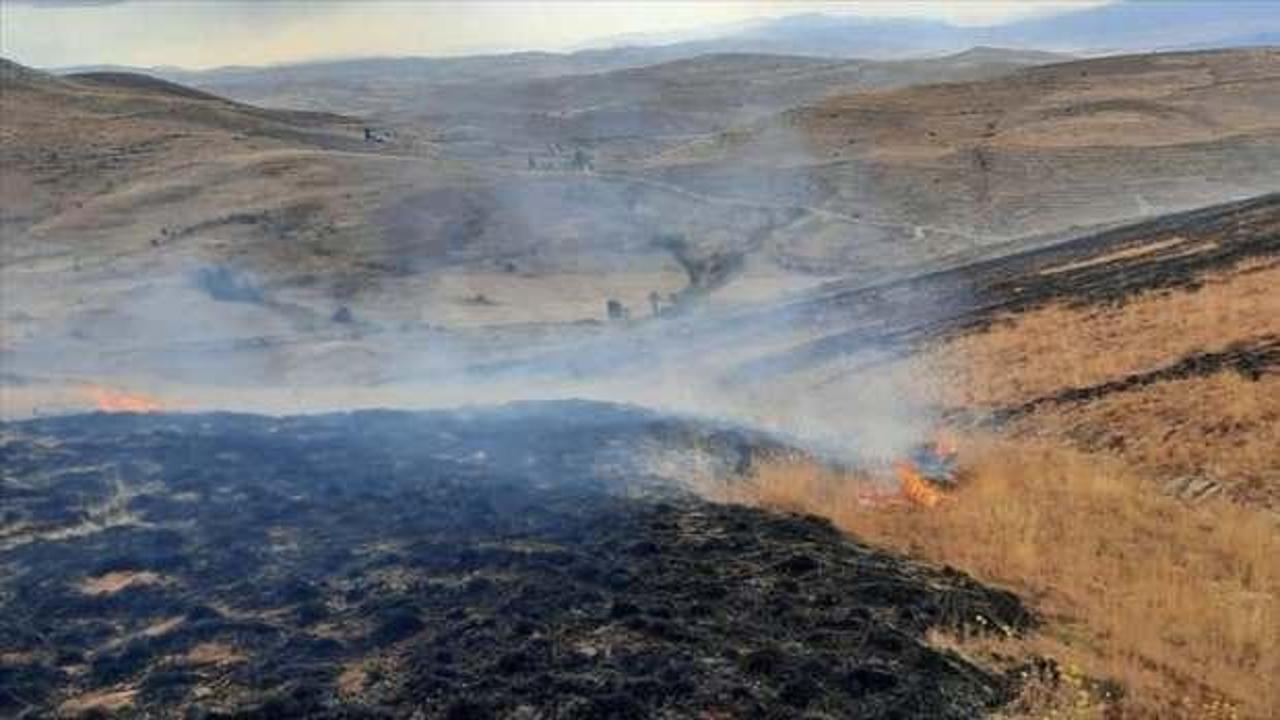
53,34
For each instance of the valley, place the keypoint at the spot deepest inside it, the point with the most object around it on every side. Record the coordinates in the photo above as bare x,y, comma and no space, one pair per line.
744,376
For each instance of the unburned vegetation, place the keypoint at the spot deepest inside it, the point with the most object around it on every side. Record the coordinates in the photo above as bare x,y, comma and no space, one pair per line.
1120,472
1184,384
1029,355
1176,603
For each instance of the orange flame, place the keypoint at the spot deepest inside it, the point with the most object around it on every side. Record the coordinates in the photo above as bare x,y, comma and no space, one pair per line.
914,487
109,400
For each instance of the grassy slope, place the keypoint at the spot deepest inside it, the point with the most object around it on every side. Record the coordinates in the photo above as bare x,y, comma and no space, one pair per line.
1138,515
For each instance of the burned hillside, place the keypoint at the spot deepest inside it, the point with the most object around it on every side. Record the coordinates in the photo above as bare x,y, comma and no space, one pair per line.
708,378
515,562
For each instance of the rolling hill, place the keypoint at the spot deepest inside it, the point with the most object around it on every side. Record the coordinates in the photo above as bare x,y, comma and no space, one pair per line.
308,251
528,100
69,139
904,175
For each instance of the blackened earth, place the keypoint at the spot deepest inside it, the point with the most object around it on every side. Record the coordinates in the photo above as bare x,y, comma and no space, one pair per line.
515,562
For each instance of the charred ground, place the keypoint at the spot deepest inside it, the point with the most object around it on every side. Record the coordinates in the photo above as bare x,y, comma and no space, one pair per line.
514,562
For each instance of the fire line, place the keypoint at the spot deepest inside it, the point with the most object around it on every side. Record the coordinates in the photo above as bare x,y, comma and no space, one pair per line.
118,401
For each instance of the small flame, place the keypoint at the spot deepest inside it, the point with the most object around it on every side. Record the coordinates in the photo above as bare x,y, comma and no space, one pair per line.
115,401
915,488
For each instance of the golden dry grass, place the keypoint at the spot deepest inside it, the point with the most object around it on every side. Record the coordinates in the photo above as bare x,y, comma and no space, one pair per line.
1176,603
1046,350
1221,427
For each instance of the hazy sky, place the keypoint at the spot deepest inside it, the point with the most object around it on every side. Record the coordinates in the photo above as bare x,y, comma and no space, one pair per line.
194,33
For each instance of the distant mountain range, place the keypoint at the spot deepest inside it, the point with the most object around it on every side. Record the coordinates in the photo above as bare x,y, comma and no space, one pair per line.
1129,26
1118,27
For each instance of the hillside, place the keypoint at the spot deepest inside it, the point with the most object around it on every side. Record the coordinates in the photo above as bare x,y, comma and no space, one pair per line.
572,386
894,177
1115,403
531,581
308,251
1114,390
109,175
106,179
87,140
517,104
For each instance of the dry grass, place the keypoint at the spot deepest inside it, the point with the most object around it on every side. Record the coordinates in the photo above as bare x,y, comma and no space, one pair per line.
99,702
1129,253
113,582
161,627
1047,691
1223,428
353,678
1173,602
1043,351
214,653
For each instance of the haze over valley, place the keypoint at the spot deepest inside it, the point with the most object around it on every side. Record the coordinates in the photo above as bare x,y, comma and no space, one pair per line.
861,362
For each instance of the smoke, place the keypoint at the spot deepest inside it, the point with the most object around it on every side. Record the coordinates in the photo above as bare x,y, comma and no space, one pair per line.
603,233
488,283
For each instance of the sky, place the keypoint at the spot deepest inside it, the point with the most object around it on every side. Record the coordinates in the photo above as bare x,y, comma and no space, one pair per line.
210,33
